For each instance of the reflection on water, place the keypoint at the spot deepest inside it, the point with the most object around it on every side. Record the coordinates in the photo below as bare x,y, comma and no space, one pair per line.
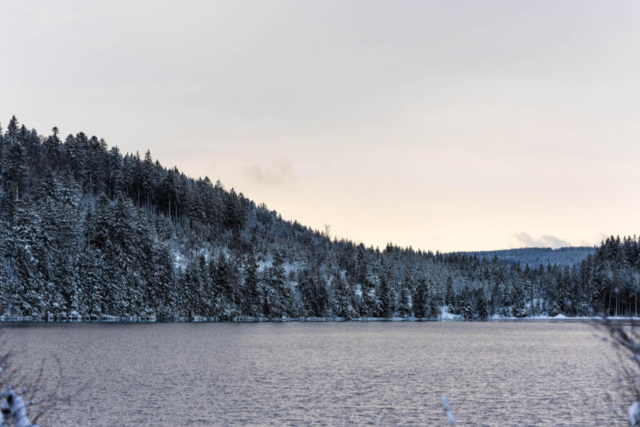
325,374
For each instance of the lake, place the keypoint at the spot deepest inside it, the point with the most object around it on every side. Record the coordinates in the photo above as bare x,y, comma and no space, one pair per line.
324,374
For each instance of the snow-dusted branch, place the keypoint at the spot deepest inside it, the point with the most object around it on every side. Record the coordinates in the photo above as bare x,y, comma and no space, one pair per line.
13,410
23,406
625,339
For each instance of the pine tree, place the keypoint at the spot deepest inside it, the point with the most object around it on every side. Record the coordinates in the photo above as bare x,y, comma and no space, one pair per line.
481,304
27,292
465,304
420,300
125,252
188,296
14,167
387,299
5,259
92,293
450,294
163,295
370,303
404,307
560,297
253,288
516,300
276,294
343,298
433,310
221,287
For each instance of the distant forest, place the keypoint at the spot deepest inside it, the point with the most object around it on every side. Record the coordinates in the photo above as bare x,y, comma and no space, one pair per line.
536,257
89,232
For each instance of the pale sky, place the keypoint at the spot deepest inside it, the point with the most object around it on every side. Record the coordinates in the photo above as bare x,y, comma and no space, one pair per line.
444,125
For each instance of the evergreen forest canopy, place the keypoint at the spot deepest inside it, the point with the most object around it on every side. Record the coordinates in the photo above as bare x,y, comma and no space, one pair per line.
540,256
88,232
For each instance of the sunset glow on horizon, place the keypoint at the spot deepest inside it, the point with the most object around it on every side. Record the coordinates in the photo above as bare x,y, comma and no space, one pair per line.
439,125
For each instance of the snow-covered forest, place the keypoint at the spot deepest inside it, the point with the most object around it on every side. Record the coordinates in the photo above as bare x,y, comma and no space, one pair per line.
540,256
89,232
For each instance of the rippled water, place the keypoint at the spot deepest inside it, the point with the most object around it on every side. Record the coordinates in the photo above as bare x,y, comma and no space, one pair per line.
325,374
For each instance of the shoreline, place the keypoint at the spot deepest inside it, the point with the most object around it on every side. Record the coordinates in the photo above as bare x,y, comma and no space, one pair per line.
114,319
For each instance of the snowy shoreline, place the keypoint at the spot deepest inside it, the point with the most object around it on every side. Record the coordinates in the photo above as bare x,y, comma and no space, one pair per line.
447,318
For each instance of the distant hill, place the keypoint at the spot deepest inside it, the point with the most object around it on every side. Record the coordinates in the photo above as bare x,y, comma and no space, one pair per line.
535,257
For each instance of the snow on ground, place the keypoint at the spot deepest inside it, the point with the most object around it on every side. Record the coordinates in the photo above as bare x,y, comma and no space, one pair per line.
445,315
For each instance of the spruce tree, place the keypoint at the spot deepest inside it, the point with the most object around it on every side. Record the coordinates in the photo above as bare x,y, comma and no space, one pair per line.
482,311
343,298
420,299
433,310
464,303
387,299
404,307
253,289
450,294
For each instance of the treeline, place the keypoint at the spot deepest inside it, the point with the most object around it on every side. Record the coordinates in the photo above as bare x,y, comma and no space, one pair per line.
535,257
89,232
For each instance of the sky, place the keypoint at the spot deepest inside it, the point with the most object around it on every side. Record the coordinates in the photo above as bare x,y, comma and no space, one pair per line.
441,125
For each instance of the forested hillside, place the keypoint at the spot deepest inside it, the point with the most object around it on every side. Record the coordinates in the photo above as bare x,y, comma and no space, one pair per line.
89,232
535,257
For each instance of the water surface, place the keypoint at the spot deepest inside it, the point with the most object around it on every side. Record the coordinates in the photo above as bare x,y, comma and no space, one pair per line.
325,374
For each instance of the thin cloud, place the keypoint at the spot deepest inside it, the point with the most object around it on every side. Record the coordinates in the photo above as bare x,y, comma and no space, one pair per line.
276,174
524,240
595,241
